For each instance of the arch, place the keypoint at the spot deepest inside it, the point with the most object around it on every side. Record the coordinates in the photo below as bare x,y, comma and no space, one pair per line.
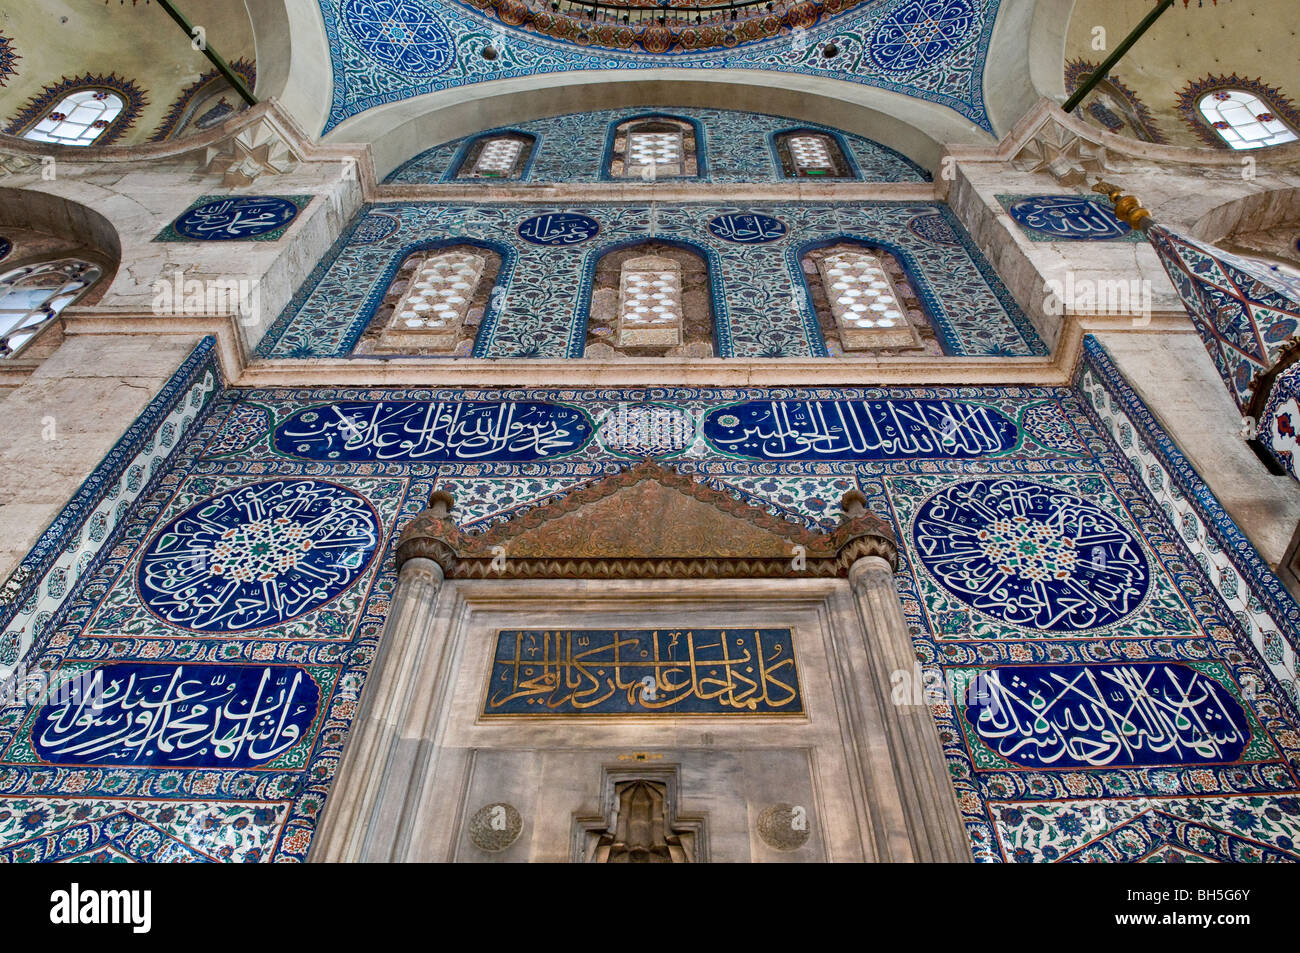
397,131
491,313
1219,132
586,287
925,292
466,153
774,142
211,84
129,101
84,232
611,135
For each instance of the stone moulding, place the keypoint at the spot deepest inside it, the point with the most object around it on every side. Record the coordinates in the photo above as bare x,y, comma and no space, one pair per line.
647,522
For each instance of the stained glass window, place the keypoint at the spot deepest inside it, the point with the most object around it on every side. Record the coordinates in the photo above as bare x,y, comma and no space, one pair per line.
79,119
1243,120
438,295
807,153
812,155
34,295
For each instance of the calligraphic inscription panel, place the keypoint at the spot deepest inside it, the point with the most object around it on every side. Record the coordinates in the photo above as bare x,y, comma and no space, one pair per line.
434,431
858,429
1066,218
217,218
258,555
1118,715
140,714
644,672
749,228
1031,554
559,229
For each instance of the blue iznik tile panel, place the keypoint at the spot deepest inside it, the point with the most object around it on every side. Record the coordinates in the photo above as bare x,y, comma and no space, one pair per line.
1119,664
760,302
40,585
386,51
736,147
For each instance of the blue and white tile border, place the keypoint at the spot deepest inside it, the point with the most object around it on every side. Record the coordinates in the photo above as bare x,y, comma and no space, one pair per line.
63,554
1266,611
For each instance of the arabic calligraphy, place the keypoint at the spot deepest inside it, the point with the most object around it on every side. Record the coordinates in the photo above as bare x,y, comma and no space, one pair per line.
560,228
258,555
224,716
858,429
434,431
238,217
1067,217
1031,555
748,228
1089,716
642,671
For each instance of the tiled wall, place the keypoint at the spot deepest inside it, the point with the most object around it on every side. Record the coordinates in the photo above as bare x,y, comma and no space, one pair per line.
1045,537
736,147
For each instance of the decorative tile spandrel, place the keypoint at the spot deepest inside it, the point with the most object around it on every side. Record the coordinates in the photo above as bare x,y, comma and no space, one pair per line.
644,672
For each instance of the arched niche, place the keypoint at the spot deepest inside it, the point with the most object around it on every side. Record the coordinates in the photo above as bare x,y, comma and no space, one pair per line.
44,229
651,299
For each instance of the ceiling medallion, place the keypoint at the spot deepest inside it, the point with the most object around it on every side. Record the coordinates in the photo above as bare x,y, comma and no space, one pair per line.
672,27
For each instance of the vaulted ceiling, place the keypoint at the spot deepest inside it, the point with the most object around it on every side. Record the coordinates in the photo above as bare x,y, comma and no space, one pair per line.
404,74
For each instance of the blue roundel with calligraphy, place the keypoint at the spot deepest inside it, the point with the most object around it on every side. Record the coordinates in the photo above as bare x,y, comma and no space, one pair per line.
1031,555
747,228
917,35
239,217
6,246
258,555
406,36
1067,218
558,228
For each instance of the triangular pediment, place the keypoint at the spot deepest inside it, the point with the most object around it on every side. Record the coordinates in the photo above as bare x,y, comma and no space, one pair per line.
651,521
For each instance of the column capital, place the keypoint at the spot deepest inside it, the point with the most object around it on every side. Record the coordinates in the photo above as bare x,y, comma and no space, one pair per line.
863,535
432,535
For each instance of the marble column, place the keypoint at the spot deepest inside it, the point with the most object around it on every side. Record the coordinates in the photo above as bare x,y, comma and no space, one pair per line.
390,751
934,825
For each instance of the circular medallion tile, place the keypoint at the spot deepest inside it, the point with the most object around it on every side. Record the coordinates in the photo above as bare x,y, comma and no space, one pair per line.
405,36
258,555
1031,555
747,228
558,229
237,218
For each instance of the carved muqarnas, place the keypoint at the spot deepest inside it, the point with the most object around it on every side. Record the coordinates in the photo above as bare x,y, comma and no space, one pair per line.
640,822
